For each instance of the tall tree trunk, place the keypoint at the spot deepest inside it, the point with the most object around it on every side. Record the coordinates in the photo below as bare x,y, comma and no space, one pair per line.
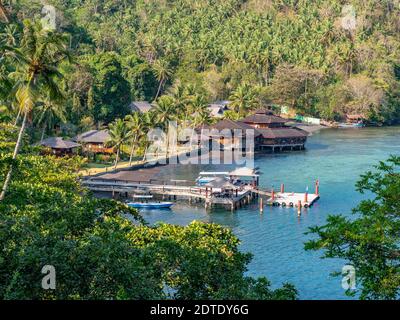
132,150
16,150
144,155
18,115
3,13
159,89
117,157
43,132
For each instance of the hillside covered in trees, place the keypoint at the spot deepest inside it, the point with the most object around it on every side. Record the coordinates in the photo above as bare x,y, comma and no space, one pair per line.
324,58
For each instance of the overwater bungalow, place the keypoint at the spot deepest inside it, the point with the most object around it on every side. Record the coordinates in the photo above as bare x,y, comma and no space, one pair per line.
270,133
59,147
276,135
228,134
94,141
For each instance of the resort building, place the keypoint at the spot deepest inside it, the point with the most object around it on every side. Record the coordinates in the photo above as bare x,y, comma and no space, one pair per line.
58,146
229,134
140,106
276,135
270,133
94,141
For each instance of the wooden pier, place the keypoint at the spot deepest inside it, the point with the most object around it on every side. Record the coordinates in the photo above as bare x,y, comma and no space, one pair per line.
209,196
237,197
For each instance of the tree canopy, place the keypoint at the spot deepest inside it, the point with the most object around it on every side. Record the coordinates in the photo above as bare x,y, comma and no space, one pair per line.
333,52
102,249
369,240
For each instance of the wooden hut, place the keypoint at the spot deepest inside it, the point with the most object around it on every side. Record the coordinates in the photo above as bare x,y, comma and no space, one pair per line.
95,141
58,146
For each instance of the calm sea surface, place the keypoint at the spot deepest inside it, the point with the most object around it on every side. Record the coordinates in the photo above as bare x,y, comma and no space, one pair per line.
276,238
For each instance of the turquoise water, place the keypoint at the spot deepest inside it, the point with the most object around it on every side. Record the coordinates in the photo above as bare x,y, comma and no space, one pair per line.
276,238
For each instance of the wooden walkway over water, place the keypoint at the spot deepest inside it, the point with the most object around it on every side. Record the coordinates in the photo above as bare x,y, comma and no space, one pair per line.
209,196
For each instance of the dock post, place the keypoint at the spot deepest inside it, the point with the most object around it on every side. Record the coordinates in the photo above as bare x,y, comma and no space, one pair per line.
261,205
317,187
299,208
306,197
273,195
282,188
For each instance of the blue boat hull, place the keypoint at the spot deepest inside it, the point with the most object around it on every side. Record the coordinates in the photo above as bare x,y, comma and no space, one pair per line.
151,205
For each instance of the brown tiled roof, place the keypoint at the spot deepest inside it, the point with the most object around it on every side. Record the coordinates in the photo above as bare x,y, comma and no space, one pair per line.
282,132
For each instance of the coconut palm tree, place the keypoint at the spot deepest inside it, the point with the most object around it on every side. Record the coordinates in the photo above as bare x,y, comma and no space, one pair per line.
243,99
165,111
136,125
163,72
119,134
36,74
49,113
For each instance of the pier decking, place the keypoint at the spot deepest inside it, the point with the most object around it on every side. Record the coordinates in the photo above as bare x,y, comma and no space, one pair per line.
210,196
207,195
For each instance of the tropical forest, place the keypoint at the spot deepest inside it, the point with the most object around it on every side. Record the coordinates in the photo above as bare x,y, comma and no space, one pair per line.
73,66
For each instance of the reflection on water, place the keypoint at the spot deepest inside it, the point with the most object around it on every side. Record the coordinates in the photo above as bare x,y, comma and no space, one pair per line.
276,238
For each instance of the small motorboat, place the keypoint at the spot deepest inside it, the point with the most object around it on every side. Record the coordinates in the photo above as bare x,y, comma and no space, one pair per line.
150,205
201,181
351,125
207,177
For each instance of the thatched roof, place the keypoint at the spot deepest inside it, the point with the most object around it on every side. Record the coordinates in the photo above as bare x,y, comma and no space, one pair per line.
59,143
93,136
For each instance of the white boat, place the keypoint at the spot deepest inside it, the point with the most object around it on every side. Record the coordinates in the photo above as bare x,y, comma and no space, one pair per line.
351,125
207,177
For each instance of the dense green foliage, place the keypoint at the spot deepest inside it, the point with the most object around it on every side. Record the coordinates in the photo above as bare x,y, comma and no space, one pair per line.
370,240
102,249
298,53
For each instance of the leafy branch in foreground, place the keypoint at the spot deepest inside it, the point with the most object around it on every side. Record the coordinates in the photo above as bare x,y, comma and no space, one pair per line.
370,241
102,249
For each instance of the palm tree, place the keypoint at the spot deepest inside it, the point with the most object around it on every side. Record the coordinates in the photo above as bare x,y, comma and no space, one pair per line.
119,134
243,99
149,121
10,35
36,75
165,111
163,72
49,113
136,125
